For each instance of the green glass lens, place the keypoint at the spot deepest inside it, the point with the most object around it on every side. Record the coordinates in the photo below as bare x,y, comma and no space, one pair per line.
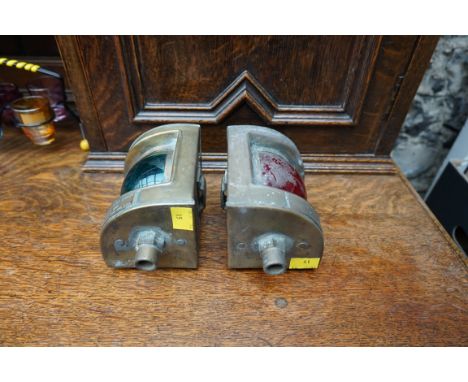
148,172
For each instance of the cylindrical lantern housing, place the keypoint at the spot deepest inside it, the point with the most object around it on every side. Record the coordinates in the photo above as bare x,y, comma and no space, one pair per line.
155,221
270,223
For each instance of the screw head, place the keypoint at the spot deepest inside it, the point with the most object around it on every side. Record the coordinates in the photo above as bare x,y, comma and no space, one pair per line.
241,246
119,243
181,241
302,245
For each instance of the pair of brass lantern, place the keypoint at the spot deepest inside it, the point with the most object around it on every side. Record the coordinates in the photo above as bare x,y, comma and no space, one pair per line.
155,223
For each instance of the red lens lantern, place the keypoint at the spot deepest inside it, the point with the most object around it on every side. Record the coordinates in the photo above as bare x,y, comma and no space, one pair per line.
270,223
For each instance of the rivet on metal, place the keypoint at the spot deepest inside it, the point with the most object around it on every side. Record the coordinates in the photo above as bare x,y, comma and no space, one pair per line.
241,246
181,241
302,245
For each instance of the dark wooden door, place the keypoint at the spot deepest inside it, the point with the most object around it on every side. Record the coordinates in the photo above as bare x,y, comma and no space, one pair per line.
333,95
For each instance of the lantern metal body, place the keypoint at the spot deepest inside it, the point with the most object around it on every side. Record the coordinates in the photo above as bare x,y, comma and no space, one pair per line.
155,221
270,223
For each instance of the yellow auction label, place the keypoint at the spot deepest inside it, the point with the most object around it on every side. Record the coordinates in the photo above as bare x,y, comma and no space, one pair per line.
304,262
182,218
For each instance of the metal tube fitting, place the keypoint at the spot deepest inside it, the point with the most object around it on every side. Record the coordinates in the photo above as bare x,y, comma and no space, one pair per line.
274,260
146,258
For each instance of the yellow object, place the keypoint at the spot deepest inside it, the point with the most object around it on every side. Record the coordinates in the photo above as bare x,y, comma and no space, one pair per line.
84,145
304,262
182,218
19,65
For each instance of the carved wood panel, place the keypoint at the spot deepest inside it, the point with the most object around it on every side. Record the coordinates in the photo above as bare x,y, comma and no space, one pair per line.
334,96
300,80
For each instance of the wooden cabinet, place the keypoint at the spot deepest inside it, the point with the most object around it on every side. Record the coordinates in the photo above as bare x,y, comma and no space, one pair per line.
342,99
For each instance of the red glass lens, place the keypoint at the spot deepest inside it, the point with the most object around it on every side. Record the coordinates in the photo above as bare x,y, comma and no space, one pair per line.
278,173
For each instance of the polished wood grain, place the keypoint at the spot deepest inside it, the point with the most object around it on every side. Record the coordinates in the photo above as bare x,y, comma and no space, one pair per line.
287,79
217,162
390,275
332,95
83,95
404,93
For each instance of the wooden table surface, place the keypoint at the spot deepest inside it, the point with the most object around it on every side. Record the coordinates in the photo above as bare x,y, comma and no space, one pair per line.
389,276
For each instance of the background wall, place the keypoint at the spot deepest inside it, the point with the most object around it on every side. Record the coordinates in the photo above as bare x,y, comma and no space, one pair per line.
438,113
